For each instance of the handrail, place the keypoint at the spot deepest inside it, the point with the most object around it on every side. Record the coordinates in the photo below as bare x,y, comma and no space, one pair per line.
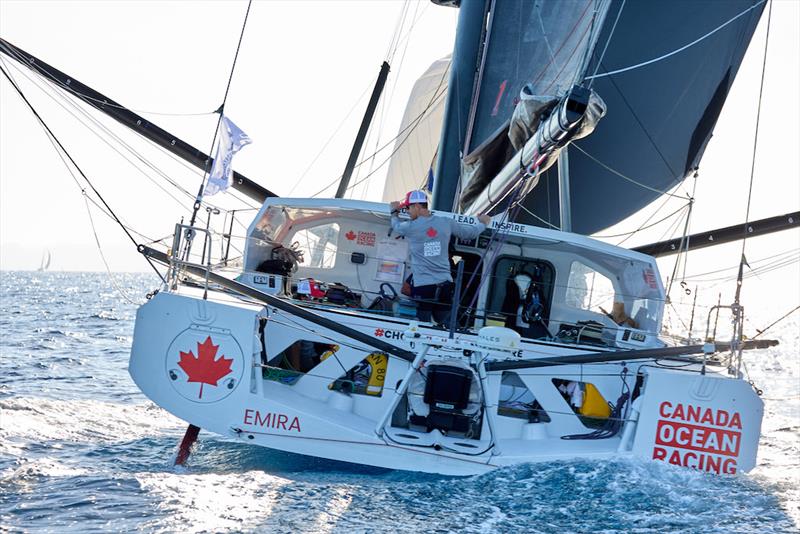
275,302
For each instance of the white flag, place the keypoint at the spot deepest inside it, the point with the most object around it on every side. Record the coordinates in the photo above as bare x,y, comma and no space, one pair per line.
230,140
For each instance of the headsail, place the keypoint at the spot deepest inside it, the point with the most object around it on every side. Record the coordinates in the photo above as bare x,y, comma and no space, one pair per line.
660,113
415,149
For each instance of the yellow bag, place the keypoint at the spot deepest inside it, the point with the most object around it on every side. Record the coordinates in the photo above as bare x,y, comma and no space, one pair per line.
378,363
594,405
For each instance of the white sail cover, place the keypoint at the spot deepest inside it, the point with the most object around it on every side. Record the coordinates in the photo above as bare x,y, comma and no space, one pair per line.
415,148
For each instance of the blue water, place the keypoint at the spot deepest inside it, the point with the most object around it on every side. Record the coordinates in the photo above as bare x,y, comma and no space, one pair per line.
81,449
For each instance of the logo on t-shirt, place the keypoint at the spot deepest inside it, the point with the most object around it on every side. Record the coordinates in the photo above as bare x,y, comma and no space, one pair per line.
432,248
431,232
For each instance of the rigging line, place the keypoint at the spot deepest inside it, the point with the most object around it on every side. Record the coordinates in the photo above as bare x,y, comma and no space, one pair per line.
412,125
765,269
566,62
74,105
82,189
50,132
321,150
755,140
387,101
783,256
398,28
558,50
680,250
413,23
686,232
107,142
608,41
678,316
681,49
776,322
388,158
24,60
207,171
507,215
544,35
103,256
529,212
594,35
672,229
646,221
93,201
641,227
628,178
399,33
642,126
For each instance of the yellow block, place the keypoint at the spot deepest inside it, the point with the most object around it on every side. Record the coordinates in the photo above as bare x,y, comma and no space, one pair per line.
378,363
594,405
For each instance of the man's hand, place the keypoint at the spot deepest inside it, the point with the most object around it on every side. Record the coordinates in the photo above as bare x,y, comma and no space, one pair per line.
394,206
485,219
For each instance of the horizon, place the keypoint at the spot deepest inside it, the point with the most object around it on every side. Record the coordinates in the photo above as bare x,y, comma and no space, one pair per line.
53,216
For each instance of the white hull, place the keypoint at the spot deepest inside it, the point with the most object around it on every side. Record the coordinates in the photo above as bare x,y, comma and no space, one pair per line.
709,422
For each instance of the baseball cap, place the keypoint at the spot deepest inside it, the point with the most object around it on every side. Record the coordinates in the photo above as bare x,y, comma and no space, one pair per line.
414,197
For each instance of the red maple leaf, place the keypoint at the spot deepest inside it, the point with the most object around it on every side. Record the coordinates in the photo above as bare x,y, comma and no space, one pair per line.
350,235
431,232
204,368
378,332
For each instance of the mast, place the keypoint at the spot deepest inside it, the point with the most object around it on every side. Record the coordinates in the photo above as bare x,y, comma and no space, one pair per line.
466,54
362,131
130,119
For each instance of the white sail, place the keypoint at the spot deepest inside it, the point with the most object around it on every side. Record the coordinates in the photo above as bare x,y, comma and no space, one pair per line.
45,263
419,133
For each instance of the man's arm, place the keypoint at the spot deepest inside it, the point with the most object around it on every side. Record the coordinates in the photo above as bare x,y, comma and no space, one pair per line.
465,231
398,227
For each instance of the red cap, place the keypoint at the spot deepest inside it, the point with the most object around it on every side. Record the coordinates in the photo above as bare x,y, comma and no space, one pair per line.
414,197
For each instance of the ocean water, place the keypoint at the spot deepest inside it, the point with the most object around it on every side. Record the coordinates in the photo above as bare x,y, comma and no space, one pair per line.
82,450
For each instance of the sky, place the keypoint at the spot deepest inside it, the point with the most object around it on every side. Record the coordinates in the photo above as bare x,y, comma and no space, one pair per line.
300,86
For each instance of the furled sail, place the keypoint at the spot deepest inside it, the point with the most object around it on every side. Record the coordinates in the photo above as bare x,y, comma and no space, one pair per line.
663,69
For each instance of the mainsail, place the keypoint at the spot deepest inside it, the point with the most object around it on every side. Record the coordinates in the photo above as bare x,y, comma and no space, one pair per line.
663,69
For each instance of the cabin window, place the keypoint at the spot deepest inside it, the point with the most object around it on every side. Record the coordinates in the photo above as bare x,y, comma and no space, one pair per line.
292,363
318,245
517,401
587,289
521,295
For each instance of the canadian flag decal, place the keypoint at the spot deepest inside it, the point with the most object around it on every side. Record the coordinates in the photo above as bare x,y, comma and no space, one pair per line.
204,368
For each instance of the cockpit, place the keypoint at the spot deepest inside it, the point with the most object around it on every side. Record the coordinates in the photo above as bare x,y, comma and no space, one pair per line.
547,285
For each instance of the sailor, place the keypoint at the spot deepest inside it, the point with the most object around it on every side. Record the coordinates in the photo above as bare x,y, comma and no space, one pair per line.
428,239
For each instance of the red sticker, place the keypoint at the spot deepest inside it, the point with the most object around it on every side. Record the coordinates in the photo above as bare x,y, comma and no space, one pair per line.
366,239
204,368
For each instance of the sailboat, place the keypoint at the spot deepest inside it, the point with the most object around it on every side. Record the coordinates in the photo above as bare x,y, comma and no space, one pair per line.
45,263
552,349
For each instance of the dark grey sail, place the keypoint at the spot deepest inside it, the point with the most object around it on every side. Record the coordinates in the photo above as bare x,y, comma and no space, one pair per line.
660,114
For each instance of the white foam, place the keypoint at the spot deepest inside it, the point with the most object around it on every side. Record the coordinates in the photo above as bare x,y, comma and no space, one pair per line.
211,502
36,419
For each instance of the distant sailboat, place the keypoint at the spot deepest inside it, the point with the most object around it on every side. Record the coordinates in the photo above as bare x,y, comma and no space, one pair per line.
45,264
